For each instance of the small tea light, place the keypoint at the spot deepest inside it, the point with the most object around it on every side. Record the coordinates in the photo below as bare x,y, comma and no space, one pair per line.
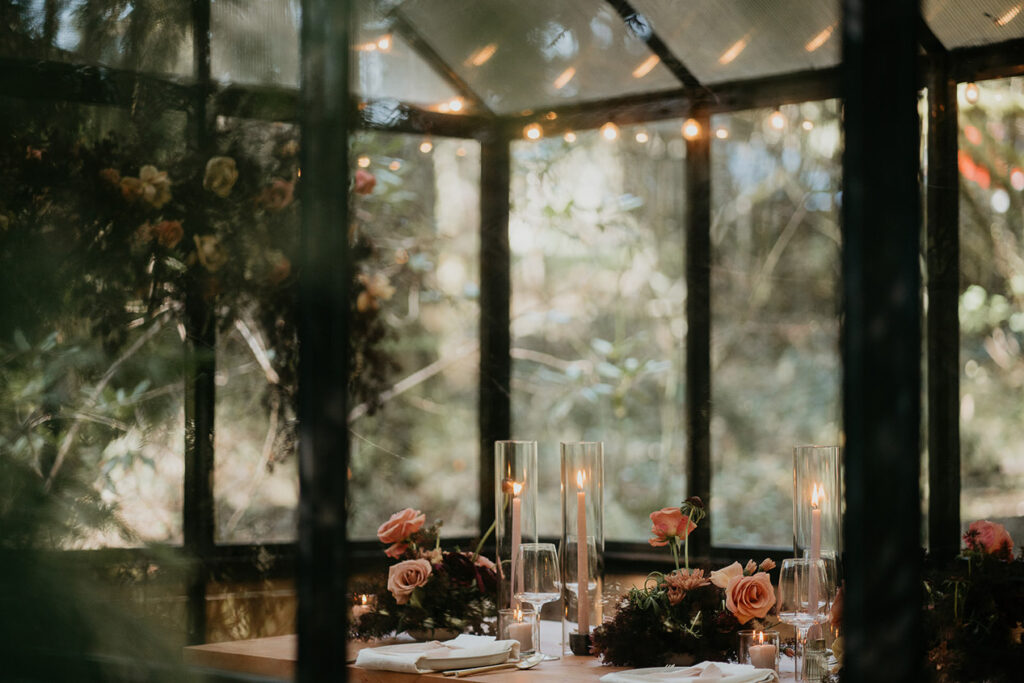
364,604
760,649
522,625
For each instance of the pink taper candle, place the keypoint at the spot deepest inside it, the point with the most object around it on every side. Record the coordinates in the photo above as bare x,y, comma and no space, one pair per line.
582,567
517,538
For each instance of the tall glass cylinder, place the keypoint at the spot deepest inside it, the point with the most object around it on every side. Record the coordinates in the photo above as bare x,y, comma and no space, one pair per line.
582,560
515,508
817,502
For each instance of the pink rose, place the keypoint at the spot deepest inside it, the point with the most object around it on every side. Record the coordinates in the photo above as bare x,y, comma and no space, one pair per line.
396,550
401,526
669,524
722,577
365,182
749,597
405,577
989,537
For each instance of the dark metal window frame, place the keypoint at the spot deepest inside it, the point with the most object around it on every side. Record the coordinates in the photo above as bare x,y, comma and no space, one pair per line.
29,79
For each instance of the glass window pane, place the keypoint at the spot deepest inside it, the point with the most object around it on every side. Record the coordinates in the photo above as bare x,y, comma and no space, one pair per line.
992,302
598,327
255,42
416,331
774,302
153,37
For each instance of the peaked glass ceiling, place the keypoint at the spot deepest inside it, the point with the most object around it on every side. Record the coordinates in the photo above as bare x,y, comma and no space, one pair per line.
532,54
963,23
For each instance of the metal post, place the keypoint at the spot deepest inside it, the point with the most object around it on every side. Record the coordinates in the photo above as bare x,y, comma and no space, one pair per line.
324,290
200,355
943,259
881,341
698,321
495,411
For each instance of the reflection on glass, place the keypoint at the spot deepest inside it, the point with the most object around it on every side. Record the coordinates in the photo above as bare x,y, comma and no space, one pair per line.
416,245
598,300
992,303
775,330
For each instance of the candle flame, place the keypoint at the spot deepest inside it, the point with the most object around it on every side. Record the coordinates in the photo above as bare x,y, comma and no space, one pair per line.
760,637
518,614
517,488
580,478
817,494
365,599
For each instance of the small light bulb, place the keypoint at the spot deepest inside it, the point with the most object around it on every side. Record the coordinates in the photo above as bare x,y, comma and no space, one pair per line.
551,115
691,129
395,165
460,152
971,93
570,136
807,125
363,161
609,131
642,137
721,133
455,105
533,132
426,146
384,43
777,120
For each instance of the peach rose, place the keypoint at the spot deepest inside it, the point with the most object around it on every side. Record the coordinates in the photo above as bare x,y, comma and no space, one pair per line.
221,175
210,252
989,537
168,233
405,577
155,185
401,526
396,550
278,195
722,577
750,597
669,524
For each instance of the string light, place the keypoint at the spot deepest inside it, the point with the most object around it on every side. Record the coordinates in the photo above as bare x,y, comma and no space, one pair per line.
480,57
551,115
722,133
642,137
363,161
609,131
777,120
384,42
460,152
570,137
646,66
533,132
395,165
807,125
691,129
426,146
972,93
564,78
455,104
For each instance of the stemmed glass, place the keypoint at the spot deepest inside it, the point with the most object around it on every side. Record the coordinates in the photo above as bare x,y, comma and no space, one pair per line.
803,599
538,580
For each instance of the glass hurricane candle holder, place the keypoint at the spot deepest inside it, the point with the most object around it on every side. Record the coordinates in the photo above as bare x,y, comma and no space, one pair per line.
817,501
515,509
582,561
760,649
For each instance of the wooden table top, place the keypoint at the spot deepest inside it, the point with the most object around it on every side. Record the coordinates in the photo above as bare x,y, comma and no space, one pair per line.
275,657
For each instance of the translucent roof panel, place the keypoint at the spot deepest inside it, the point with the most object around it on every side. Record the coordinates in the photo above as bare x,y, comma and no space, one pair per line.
387,67
961,23
532,54
255,42
733,41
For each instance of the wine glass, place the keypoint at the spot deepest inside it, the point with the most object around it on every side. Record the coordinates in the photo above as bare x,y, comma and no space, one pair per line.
803,599
538,580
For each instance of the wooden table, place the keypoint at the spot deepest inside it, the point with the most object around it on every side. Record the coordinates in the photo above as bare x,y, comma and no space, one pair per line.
275,657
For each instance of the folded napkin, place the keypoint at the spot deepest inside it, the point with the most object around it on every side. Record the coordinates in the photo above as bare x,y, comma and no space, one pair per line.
461,652
719,672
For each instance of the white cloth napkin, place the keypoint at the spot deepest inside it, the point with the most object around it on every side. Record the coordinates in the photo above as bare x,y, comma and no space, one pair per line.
719,672
420,658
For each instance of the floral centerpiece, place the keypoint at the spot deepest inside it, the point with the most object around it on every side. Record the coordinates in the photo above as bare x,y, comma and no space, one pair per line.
686,615
974,611
428,590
